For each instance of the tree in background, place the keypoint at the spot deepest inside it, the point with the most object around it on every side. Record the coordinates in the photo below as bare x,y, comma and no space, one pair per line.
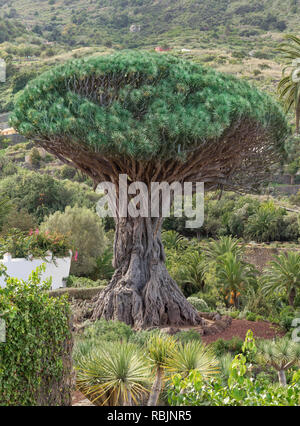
283,276
289,86
85,231
155,118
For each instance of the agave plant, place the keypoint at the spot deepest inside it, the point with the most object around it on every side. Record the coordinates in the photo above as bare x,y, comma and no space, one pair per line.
283,275
190,356
159,348
281,354
115,374
289,86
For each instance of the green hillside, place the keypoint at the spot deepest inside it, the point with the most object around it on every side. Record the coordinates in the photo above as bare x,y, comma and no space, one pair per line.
79,22
232,36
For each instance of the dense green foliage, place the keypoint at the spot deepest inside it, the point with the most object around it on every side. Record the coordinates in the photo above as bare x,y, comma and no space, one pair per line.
108,22
85,231
41,195
144,105
242,217
36,244
10,29
33,360
240,388
242,391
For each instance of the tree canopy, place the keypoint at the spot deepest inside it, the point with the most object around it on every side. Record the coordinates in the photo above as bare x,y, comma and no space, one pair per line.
140,106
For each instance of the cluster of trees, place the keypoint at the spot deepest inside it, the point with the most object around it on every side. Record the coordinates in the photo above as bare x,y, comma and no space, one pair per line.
217,273
10,29
243,217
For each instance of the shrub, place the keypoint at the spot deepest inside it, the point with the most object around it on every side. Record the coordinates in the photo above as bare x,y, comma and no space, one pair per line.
83,282
19,219
38,194
37,244
35,361
42,195
199,304
85,231
267,224
35,157
110,331
187,336
221,347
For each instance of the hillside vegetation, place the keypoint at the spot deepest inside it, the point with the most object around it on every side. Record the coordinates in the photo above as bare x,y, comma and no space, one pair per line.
78,22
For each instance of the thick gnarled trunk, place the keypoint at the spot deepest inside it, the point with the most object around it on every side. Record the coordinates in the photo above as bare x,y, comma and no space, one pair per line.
141,292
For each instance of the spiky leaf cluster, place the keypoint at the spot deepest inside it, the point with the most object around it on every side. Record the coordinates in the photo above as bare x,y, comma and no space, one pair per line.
141,105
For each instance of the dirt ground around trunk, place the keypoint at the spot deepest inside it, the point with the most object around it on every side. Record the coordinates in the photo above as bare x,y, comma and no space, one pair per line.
239,328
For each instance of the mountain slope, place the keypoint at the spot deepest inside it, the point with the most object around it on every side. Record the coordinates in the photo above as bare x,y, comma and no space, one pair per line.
81,22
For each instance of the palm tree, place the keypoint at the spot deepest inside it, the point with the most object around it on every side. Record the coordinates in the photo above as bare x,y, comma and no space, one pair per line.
226,244
193,272
190,356
159,348
234,276
115,374
172,240
281,354
283,275
289,86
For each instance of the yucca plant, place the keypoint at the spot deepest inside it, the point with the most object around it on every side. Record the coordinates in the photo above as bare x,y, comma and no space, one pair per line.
115,374
283,276
159,350
281,354
190,356
289,86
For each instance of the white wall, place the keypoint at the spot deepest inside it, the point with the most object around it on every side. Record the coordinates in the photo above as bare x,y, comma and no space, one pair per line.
22,268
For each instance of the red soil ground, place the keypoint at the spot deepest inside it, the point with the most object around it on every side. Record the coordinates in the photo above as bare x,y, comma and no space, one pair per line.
239,328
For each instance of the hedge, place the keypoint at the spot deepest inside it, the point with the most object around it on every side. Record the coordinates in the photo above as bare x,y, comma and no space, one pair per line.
35,359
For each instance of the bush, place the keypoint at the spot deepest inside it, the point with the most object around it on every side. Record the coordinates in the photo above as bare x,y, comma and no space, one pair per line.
35,361
199,304
187,336
37,244
267,224
19,219
109,331
39,194
221,347
42,195
83,282
85,231
35,157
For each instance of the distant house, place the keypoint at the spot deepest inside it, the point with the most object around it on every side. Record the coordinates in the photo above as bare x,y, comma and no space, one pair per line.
162,49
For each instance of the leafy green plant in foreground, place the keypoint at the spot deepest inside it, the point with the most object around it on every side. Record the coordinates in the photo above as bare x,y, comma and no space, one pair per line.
241,389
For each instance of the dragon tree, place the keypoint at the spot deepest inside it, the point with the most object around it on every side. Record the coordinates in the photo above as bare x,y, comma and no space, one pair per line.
154,118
